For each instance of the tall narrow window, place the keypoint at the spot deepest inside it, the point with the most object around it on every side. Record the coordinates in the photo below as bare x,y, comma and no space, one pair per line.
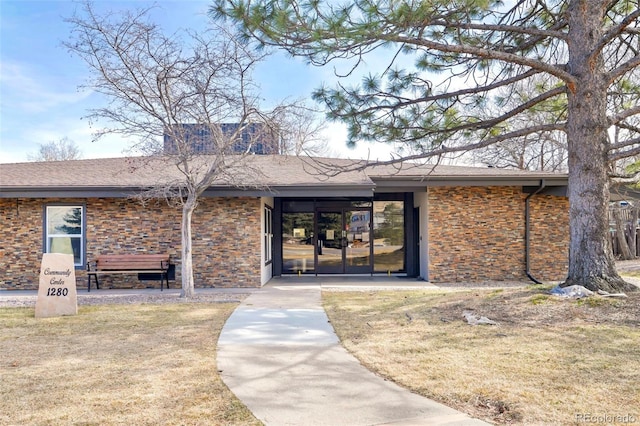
268,235
297,243
388,236
64,231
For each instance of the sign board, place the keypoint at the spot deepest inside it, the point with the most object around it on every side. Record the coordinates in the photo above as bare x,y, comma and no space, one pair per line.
57,293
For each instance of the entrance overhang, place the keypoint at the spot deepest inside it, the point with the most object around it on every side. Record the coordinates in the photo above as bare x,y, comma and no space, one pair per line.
360,191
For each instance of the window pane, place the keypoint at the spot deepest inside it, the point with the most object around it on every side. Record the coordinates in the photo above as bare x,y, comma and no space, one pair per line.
268,235
297,242
64,231
358,250
269,222
66,245
64,220
388,235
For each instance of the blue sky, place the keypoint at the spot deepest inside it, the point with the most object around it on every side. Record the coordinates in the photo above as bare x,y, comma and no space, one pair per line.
39,97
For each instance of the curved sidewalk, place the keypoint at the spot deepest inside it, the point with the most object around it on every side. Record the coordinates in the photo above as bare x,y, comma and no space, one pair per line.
280,356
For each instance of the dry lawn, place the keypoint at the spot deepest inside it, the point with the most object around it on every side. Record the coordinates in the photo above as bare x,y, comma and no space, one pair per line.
547,362
116,364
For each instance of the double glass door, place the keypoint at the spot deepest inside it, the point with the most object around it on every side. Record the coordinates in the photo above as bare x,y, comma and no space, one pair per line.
342,237
344,241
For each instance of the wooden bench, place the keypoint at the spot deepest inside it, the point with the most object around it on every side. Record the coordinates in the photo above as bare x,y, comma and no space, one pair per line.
107,264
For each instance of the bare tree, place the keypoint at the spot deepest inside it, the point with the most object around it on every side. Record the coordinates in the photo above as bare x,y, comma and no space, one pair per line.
462,53
178,97
543,150
300,131
532,152
64,149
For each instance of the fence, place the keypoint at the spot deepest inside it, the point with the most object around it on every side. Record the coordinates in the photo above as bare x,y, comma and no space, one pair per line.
624,219
618,250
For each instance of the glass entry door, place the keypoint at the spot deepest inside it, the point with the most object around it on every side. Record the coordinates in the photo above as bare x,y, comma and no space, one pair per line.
343,243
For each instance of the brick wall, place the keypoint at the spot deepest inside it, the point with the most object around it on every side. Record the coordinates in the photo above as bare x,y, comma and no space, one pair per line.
478,234
226,239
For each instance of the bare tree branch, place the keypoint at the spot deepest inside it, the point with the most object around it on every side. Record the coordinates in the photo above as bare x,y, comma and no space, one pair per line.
187,100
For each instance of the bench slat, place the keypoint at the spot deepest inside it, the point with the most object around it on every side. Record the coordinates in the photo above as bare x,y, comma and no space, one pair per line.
130,265
107,257
132,261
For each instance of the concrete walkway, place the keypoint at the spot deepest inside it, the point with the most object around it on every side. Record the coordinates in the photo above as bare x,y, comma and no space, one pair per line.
280,356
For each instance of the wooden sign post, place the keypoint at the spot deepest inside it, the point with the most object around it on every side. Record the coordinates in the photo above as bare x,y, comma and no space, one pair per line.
57,294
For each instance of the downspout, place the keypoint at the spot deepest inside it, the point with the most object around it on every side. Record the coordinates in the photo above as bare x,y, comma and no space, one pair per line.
527,244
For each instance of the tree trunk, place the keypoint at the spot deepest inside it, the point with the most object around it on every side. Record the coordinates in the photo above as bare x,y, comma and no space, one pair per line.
591,262
188,288
621,236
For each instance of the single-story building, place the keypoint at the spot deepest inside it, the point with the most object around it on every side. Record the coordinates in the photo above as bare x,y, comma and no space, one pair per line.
434,222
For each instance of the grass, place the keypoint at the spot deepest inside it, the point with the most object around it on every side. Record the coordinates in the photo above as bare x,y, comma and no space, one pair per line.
547,361
116,364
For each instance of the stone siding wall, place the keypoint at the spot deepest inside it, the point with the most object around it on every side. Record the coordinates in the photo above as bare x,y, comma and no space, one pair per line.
549,239
226,239
21,242
478,234
475,234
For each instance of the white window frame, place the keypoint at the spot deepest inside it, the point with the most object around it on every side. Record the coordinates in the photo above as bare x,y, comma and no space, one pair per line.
268,235
49,213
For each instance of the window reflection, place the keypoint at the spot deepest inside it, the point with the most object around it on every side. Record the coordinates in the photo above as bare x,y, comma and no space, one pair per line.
297,242
64,225
358,252
388,236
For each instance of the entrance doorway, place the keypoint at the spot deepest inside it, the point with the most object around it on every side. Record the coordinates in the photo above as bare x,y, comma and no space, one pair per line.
344,241
343,236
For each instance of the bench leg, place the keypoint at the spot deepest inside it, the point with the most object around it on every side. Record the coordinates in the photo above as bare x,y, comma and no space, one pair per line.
89,281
